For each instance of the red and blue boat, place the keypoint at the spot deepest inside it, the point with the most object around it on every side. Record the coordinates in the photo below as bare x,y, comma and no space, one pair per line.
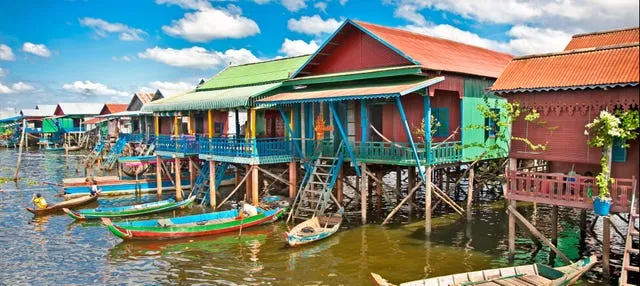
133,210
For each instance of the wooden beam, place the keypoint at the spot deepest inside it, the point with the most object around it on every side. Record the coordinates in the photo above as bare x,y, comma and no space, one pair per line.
470,195
254,187
363,194
249,172
210,123
345,139
159,175
427,202
212,184
405,124
606,247
534,231
178,180
293,183
273,175
382,183
409,195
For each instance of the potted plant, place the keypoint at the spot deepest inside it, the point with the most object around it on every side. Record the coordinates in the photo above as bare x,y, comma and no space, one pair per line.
605,129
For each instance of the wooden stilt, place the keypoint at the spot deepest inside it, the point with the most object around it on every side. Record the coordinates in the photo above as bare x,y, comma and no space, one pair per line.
398,183
254,186
393,212
411,182
606,247
534,231
379,175
293,183
247,183
178,180
363,194
212,184
554,225
340,186
427,202
470,195
512,231
158,175
237,186
191,173
15,176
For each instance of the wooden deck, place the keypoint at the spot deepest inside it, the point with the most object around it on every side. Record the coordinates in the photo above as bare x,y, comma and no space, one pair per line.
563,190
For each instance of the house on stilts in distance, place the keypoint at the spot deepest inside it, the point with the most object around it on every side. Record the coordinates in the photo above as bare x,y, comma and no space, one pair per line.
217,124
362,98
568,89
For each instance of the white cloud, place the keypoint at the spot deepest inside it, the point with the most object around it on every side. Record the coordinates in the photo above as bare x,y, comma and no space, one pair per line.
568,15
103,28
6,54
122,58
297,47
198,57
210,23
313,25
36,49
343,2
169,88
92,88
294,5
22,86
525,39
262,1
322,6
17,87
4,89
187,4
3,72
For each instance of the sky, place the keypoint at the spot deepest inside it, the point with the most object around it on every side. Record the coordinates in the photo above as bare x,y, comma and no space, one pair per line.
105,50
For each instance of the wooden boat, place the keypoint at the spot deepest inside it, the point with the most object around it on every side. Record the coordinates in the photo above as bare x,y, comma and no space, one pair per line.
125,211
65,204
191,226
114,186
52,149
533,274
72,148
314,229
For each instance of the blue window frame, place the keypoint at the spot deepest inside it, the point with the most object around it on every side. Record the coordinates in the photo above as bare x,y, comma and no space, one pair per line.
441,115
492,124
618,151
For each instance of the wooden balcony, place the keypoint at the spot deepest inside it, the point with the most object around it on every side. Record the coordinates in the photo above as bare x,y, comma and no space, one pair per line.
563,190
246,151
178,146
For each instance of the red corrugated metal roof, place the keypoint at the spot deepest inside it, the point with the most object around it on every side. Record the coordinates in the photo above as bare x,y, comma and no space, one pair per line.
94,120
589,67
114,107
604,38
440,54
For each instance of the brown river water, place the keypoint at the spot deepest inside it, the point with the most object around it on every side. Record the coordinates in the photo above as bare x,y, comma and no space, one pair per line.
55,250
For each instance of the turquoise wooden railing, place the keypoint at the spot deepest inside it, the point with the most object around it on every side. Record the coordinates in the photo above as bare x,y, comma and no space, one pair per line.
246,148
400,153
186,144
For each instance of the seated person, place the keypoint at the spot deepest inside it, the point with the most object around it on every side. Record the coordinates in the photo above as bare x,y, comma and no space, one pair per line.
39,201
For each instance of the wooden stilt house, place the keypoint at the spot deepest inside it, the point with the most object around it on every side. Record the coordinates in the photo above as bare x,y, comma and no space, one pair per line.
369,88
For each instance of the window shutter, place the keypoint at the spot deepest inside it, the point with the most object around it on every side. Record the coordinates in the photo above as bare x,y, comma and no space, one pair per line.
619,153
444,122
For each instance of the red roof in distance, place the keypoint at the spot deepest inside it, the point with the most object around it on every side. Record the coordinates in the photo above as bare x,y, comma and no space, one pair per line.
604,38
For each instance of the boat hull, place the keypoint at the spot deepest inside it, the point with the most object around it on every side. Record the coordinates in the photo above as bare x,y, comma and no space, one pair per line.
55,208
144,209
123,187
177,231
297,237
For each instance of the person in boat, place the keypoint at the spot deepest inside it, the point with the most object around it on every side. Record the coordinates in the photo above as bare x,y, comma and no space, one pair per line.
39,201
93,190
246,210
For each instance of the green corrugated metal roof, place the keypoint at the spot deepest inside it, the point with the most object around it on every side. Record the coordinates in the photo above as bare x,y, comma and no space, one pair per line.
211,99
251,74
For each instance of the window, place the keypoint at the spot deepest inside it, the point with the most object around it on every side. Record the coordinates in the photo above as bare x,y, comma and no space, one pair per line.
492,124
441,121
218,128
618,151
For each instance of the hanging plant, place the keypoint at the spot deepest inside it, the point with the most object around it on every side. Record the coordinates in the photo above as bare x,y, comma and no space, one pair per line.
605,129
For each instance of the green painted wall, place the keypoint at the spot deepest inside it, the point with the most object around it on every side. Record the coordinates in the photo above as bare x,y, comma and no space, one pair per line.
49,125
474,94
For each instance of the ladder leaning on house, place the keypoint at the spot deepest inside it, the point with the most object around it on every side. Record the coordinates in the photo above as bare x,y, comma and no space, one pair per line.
632,232
115,152
201,185
315,190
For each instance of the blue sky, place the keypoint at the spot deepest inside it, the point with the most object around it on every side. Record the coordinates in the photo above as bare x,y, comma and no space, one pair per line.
103,51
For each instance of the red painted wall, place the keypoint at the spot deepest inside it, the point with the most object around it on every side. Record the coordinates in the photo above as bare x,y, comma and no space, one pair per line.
355,51
568,112
165,125
449,99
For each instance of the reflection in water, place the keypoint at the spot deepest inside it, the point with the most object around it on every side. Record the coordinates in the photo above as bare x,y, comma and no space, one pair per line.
61,251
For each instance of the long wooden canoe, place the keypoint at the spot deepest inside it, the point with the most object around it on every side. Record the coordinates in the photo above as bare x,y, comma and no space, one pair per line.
133,210
314,229
190,226
65,204
114,186
533,274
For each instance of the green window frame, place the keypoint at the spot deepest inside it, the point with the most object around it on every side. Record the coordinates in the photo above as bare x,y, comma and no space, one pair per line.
441,115
618,151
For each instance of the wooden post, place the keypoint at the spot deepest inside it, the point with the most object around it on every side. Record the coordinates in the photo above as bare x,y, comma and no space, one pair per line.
210,123
379,175
191,175
178,180
254,187
427,202
15,176
399,183
363,194
512,231
535,232
470,195
340,186
66,149
293,184
176,129
159,175
606,247
247,183
157,125
554,225
212,184
411,181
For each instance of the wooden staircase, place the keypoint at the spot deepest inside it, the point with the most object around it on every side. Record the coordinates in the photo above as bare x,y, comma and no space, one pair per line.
315,190
201,186
115,152
96,152
629,251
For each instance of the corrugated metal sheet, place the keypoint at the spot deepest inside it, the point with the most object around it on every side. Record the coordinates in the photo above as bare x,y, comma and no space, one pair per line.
370,90
79,108
605,38
113,108
31,113
440,54
47,109
601,66
255,73
213,99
